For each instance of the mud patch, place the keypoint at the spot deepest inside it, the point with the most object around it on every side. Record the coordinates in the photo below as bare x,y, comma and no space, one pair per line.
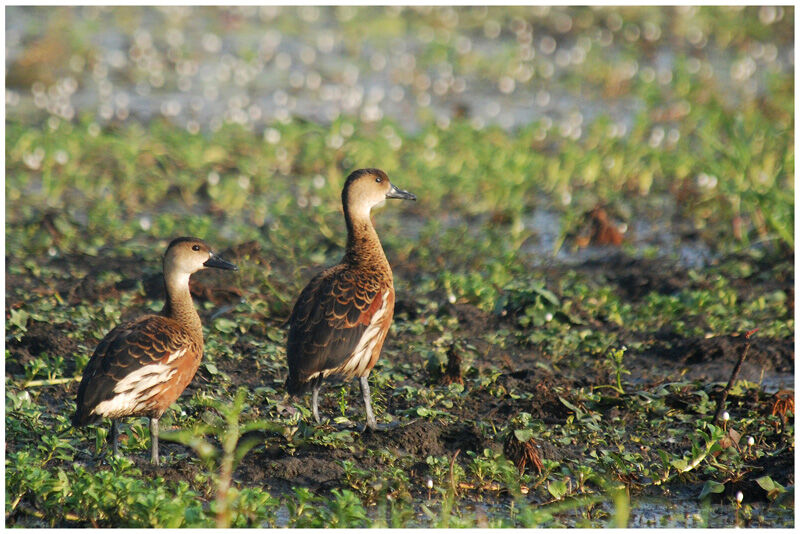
245,369
90,287
544,404
178,470
779,468
314,468
40,338
713,358
472,319
637,277
420,438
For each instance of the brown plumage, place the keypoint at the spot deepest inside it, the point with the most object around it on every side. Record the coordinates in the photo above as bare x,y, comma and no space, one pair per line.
341,318
142,366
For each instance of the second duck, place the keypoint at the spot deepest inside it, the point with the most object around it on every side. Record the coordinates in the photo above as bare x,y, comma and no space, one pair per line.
341,318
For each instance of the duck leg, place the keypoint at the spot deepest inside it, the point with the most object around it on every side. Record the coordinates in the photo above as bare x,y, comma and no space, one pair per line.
315,401
154,440
371,423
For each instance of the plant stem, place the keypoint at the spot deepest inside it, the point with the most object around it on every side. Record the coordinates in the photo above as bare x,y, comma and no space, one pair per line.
452,477
231,438
49,382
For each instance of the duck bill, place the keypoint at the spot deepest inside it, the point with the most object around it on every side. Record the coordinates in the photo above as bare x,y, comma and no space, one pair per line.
219,263
395,192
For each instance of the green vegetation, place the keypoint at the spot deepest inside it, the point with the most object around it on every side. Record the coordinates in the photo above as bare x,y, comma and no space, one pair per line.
527,392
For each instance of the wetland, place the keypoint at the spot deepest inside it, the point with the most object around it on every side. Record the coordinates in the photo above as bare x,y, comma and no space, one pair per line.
605,211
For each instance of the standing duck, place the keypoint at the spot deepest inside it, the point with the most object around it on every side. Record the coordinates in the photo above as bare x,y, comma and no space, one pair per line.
341,318
143,365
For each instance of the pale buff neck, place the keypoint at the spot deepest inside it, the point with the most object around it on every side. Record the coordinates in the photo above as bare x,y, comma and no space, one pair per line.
179,305
363,245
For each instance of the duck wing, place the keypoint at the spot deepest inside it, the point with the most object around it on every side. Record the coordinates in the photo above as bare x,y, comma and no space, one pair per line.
328,321
129,368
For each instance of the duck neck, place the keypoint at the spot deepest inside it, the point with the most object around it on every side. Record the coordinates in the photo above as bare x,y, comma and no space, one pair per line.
363,246
179,305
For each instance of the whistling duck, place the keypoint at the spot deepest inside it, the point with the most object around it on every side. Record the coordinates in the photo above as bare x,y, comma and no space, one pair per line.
341,318
143,365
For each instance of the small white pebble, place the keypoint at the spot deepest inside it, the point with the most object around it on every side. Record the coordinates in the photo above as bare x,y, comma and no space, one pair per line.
751,441
739,496
726,416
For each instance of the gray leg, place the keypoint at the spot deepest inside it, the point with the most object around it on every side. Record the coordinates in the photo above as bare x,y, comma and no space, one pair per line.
154,440
113,437
315,401
367,403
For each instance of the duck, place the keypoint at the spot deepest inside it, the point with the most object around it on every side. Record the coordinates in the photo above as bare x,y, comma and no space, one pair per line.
141,366
341,318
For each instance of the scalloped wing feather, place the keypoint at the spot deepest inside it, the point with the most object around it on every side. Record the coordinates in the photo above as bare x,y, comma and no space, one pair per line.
133,370
330,318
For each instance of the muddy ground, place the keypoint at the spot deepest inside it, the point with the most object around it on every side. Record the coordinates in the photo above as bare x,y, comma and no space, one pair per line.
274,464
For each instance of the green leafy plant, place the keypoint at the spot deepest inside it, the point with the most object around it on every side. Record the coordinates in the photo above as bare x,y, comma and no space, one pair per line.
236,439
614,360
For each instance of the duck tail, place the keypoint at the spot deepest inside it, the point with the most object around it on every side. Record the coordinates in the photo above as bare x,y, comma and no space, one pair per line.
295,386
80,418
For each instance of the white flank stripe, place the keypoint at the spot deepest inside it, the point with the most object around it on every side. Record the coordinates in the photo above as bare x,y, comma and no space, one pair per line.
357,364
132,391
144,378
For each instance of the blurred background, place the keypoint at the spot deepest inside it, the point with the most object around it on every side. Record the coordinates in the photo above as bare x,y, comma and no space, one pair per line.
202,67
669,128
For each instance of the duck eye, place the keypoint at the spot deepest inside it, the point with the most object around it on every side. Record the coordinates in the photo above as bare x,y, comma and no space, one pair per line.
379,179
195,247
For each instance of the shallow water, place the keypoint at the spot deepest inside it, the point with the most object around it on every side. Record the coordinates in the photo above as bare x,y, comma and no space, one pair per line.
202,67
664,238
675,511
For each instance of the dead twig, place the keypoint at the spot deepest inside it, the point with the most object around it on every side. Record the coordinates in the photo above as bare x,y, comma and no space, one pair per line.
734,374
452,374
784,402
523,454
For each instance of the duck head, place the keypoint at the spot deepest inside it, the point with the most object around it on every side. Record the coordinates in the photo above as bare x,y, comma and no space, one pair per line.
187,255
366,188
